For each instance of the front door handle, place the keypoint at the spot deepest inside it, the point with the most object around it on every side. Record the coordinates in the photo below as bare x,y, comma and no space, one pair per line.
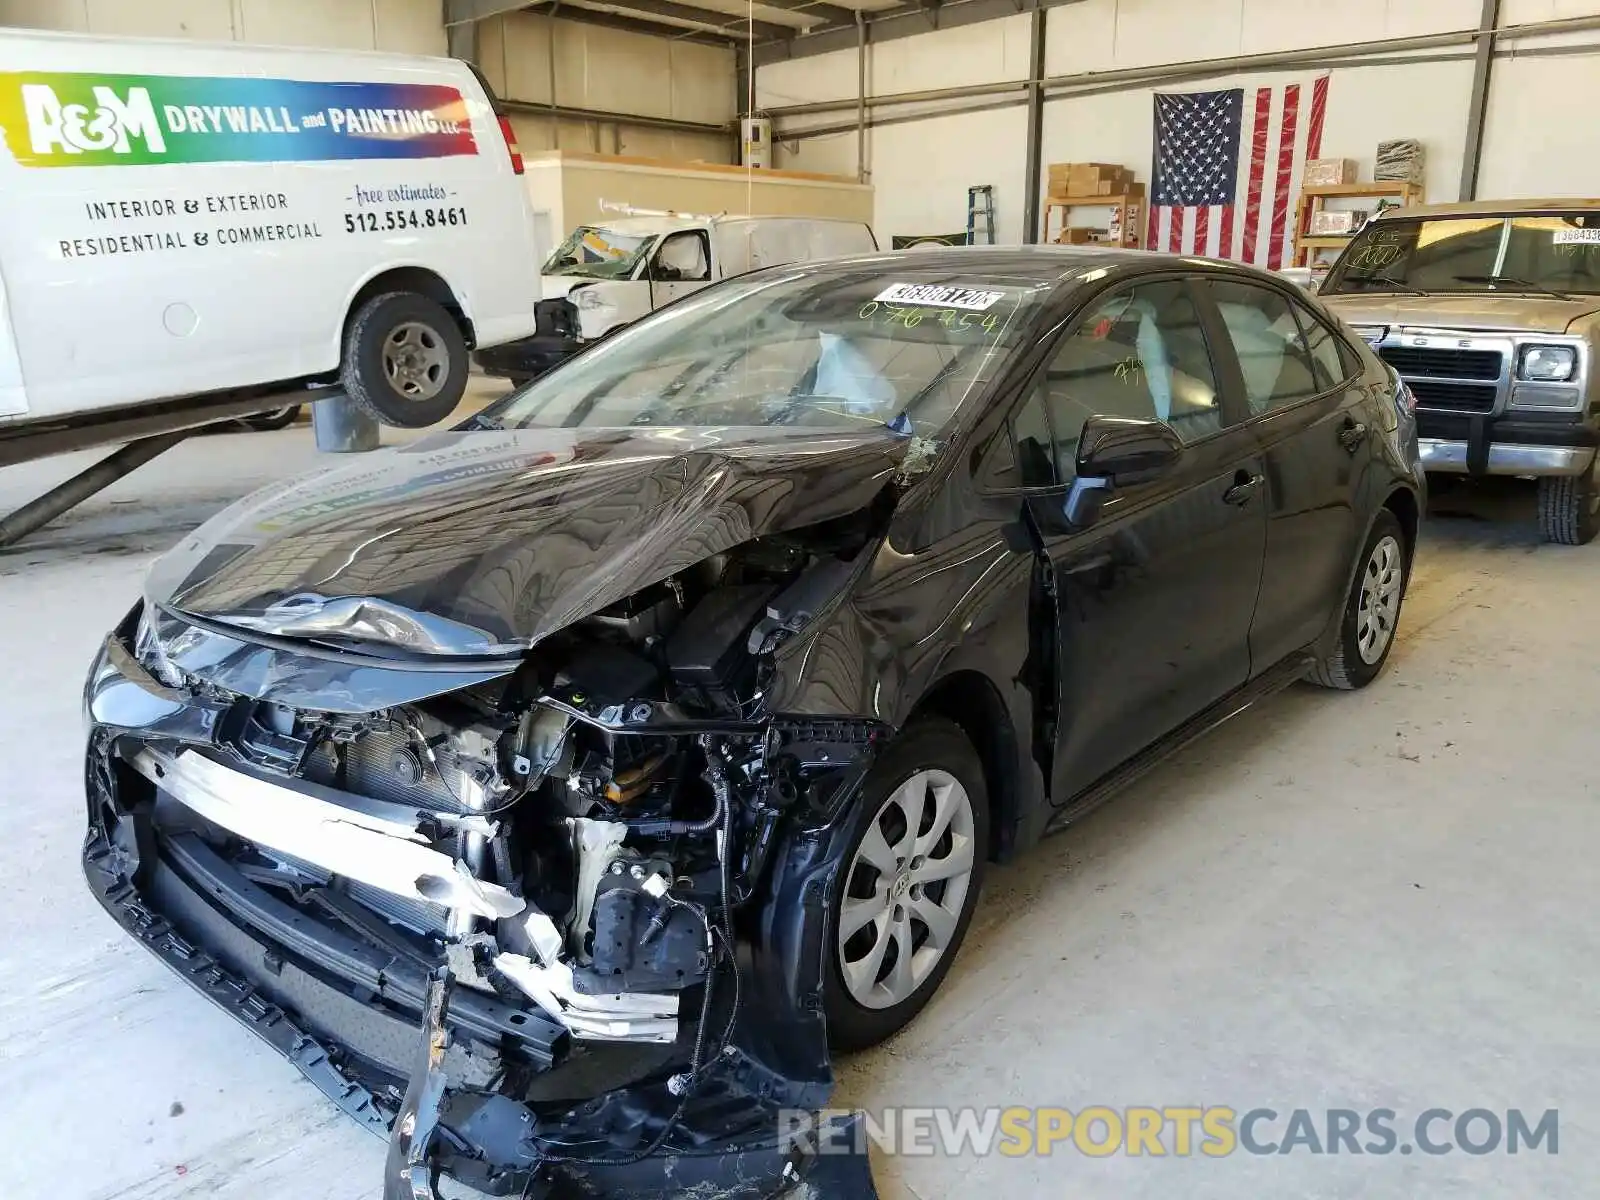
1352,435
1244,487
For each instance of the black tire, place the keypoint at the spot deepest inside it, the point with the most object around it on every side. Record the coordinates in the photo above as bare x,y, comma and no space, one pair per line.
1346,668
366,379
280,418
1569,509
926,744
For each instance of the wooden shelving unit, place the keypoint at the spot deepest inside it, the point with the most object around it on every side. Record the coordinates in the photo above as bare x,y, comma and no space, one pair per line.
1312,200
1131,214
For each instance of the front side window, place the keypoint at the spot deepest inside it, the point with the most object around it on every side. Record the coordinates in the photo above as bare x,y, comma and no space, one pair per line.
848,347
683,258
1140,353
1536,252
1276,362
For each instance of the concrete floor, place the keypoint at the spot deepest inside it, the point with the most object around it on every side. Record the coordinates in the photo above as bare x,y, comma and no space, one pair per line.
1374,900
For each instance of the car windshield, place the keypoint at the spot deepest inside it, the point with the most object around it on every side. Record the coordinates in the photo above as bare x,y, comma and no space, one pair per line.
598,253
841,348
1552,253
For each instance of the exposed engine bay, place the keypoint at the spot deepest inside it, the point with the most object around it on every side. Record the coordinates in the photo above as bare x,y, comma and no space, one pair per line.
581,838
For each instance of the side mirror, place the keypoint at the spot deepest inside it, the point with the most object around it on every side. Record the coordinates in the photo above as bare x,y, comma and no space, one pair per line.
1118,452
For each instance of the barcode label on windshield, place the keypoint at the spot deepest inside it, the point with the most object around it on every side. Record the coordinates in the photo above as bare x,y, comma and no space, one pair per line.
1577,237
935,296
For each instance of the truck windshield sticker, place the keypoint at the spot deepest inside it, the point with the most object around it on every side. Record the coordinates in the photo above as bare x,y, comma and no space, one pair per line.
1576,237
934,295
55,119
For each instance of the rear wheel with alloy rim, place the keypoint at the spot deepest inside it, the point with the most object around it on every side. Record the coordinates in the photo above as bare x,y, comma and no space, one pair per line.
1371,613
909,882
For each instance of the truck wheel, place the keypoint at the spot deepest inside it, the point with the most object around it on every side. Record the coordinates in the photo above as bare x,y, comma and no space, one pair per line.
405,361
278,418
913,865
1371,612
1568,507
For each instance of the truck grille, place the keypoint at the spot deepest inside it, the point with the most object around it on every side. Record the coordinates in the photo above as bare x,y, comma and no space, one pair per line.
1461,380
1428,363
1453,394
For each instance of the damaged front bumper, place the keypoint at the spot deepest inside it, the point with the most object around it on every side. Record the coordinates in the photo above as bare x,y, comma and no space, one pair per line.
393,1049
398,1046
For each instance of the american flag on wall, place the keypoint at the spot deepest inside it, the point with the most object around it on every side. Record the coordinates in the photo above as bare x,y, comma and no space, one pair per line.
1227,169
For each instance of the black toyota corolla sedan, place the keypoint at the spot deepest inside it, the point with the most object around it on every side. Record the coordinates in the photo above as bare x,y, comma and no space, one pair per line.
557,791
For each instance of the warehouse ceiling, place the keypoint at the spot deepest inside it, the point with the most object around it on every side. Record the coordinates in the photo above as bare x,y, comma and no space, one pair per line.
770,23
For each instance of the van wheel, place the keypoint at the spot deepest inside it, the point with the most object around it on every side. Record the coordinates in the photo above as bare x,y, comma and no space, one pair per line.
278,418
405,361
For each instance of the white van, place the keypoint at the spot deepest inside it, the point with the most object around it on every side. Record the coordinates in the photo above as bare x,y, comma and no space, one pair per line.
180,219
615,272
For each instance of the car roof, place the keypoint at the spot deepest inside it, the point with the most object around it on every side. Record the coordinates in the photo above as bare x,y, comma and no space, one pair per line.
1042,264
1491,208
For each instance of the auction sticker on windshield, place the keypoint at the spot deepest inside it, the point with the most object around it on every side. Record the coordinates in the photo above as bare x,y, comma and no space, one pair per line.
935,295
1576,237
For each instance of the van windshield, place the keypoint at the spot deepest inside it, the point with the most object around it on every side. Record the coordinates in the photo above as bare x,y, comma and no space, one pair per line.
1555,254
841,348
598,253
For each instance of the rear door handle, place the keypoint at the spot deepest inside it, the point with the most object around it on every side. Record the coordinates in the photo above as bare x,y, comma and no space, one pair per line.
1243,489
1352,435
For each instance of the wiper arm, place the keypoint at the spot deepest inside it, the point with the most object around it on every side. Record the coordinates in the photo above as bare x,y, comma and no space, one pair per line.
1398,285
1514,281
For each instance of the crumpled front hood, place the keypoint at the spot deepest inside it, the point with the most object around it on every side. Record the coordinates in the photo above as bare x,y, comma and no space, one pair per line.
473,543
1532,314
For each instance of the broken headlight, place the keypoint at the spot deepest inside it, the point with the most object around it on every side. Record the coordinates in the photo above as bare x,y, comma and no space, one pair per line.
148,650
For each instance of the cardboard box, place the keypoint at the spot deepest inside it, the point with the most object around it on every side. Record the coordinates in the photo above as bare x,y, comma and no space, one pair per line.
1329,172
1330,222
1403,160
1079,235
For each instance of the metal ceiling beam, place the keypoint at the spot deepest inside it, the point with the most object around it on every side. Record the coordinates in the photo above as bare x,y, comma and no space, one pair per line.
468,12
589,16
891,23
608,117
828,14
710,19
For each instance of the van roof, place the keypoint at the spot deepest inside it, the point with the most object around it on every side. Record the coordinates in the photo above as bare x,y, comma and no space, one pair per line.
190,45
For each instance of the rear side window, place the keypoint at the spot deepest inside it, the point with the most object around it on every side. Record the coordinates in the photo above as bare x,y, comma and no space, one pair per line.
1330,358
1278,366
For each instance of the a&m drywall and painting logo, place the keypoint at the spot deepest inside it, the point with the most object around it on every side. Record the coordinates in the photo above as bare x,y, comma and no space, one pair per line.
110,122
57,119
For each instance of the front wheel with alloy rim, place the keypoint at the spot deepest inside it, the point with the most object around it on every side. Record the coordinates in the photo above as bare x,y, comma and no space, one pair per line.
1569,509
911,872
1371,612
405,360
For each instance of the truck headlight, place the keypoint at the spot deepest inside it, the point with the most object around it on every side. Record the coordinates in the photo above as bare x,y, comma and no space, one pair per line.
1372,335
589,299
1547,364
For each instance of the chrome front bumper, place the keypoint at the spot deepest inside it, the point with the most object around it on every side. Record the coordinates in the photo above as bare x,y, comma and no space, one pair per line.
1505,458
